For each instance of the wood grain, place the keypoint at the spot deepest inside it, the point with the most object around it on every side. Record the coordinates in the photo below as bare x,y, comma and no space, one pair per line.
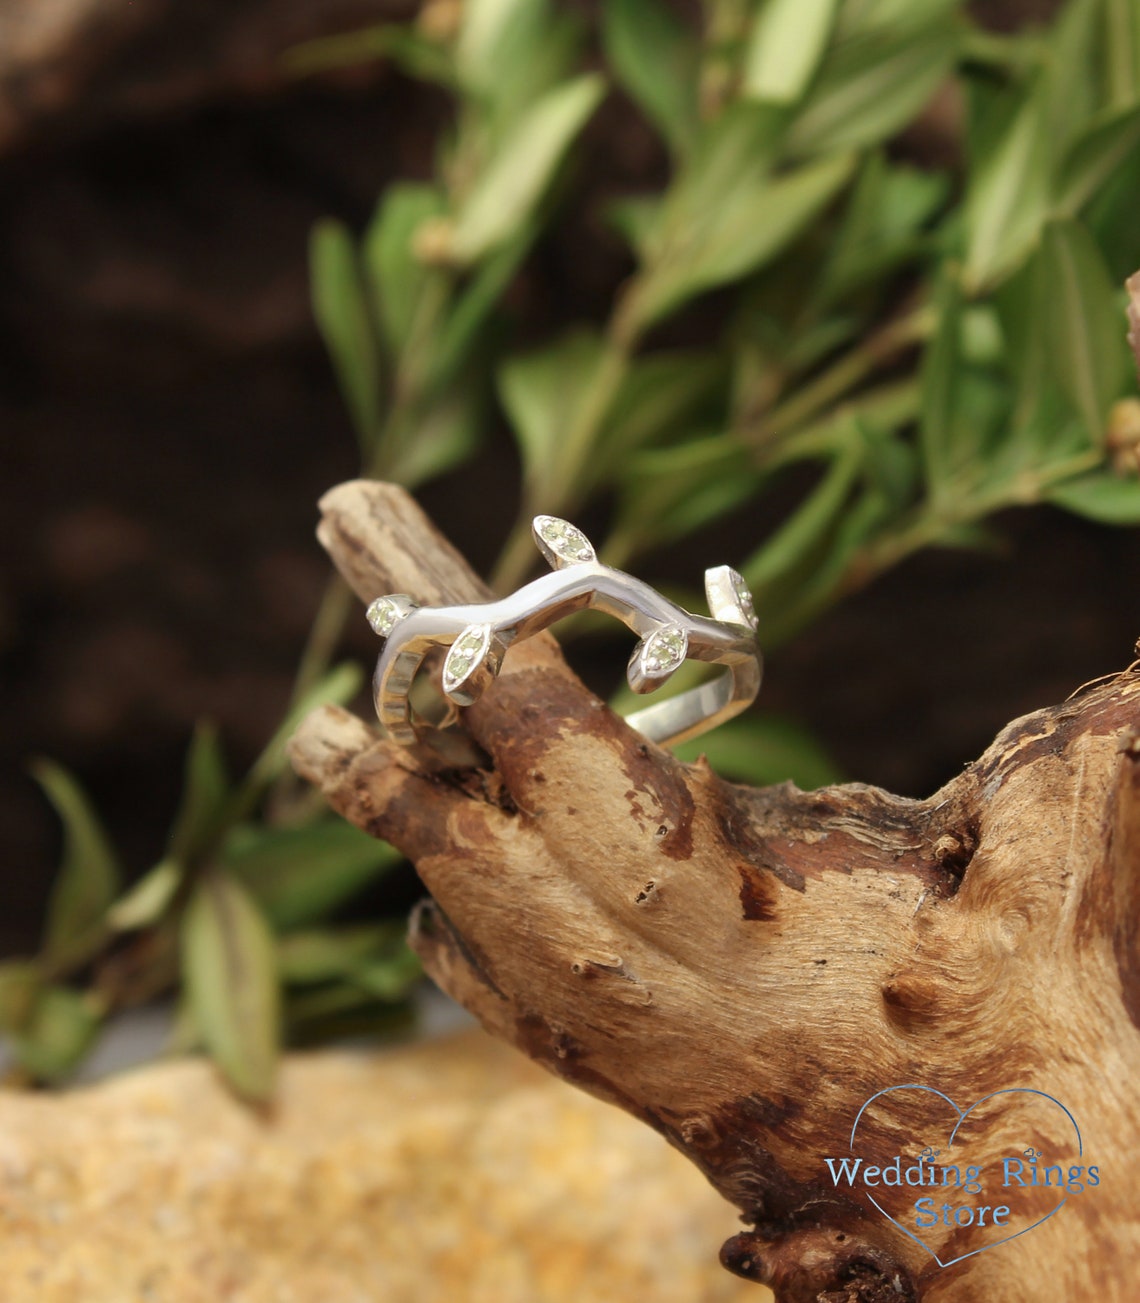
742,968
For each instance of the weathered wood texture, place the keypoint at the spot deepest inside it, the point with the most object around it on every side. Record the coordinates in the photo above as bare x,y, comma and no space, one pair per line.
743,968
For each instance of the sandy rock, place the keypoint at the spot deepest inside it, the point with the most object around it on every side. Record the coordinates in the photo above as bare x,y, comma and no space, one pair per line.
452,1170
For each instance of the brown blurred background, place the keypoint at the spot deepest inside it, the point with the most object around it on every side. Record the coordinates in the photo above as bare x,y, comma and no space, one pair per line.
169,419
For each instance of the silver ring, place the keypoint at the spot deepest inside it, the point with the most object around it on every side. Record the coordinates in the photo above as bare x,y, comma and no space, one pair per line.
479,635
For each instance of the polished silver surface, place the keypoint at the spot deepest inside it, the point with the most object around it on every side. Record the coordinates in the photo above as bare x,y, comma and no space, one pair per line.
479,636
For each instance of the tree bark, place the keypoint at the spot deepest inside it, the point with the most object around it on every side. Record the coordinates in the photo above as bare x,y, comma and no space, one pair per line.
743,969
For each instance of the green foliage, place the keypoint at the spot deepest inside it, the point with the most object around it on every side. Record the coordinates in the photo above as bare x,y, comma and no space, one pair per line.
927,332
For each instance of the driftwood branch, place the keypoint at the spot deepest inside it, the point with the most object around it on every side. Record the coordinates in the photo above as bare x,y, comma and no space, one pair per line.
744,968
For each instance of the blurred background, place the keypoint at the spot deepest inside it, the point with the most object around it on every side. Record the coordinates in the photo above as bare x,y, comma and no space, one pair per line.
170,415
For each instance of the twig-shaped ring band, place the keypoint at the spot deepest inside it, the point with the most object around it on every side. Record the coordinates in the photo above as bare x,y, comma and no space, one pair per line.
479,635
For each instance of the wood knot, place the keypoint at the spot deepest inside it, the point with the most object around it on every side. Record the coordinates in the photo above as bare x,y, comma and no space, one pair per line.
1130,744
698,1132
910,1002
819,1264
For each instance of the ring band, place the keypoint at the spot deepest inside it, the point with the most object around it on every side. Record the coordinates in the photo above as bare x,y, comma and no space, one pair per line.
479,635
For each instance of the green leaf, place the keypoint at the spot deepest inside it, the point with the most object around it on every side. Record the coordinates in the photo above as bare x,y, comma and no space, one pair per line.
635,218
541,393
1111,217
764,749
1122,48
660,394
669,492
337,688
942,453
510,187
1021,304
721,237
398,278
89,876
300,875
871,86
148,899
1007,199
655,60
320,955
486,34
801,595
510,51
230,971
1071,74
866,17
1086,324
882,225
445,435
785,47
20,983
390,978
56,1034
341,311
1101,496
1094,158
205,791
801,533
461,332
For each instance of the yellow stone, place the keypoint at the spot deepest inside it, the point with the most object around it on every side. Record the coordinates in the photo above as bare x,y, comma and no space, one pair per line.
448,1172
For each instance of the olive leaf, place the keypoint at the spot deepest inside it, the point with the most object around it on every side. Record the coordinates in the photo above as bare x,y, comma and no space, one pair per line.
1094,158
655,59
148,900
505,194
541,393
509,52
713,236
89,876
342,315
804,530
398,278
1008,196
299,875
1101,496
785,47
764,749
942,450
205,791
56,1033
871,85
230,971
668,492
1122,51
1086,324
321,954
881,227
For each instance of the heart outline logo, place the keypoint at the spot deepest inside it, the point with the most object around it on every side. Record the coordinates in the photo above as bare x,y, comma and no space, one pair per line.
962,1116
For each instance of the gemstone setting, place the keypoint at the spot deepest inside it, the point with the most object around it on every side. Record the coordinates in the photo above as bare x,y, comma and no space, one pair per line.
663,651
561,543
743,598
728,597
467,654
386,612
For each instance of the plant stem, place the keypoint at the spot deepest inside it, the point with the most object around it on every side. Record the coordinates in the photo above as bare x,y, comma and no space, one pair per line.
842,376
328,625
929,526
562,487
